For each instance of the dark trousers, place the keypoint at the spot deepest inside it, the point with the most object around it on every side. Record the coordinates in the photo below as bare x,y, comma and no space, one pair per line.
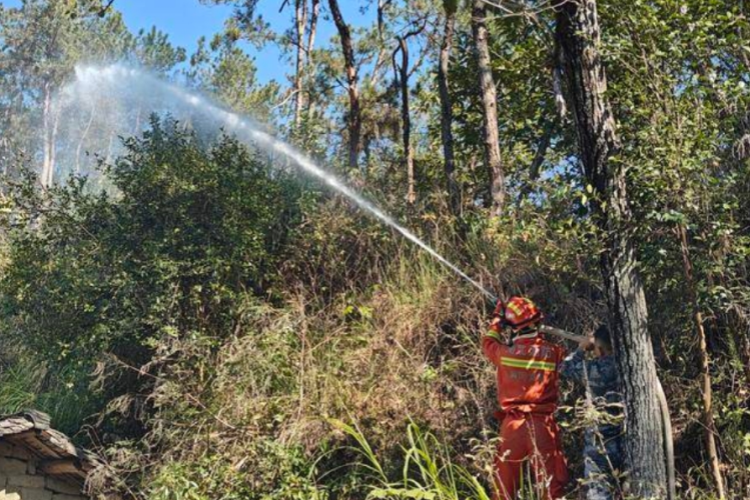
603,457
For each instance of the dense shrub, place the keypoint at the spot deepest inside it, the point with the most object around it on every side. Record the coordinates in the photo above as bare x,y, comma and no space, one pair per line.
172,252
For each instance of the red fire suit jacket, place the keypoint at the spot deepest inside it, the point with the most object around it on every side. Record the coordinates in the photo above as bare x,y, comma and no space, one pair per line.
527,372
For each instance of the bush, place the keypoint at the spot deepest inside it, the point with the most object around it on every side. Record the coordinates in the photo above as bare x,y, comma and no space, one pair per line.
283,473
188,232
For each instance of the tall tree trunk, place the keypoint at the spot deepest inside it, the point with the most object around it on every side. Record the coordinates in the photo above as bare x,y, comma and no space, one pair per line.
4,148
138,117
381,59
53,145
403,82
446,105
300,18
312,32
85,134
110,147
708,415
6,140
313,29
51,122
355,118
491,134
47,146
746,348
578,37
382,5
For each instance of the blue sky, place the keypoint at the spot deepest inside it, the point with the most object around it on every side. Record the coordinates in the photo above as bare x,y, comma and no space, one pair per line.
186,20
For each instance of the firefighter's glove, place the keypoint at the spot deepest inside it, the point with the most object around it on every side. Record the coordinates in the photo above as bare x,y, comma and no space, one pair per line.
496,325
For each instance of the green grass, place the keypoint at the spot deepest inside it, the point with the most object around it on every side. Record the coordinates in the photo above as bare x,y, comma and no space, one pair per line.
20,383
63,393
428,472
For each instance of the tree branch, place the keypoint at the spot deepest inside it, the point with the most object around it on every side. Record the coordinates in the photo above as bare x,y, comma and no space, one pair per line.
104,10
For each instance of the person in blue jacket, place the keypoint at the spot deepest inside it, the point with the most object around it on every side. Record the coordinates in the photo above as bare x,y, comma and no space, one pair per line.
603,447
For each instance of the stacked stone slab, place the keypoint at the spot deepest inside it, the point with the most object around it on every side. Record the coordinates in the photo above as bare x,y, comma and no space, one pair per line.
40,463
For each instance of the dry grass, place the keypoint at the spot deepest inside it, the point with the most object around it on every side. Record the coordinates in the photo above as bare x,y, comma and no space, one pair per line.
398,348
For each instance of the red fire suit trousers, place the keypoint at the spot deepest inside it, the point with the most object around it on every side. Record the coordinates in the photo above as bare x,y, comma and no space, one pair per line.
534,438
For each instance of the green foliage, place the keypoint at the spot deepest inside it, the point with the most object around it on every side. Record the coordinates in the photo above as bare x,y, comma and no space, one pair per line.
190,234
19,385
230,316
229,74
427,474
26,382
283,473
153,50
219,415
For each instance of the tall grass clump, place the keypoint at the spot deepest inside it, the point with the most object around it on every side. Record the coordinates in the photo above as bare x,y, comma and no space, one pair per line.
428,471
20,383
62,392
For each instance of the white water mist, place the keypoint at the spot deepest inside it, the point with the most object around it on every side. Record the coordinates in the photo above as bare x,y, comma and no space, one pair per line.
137,89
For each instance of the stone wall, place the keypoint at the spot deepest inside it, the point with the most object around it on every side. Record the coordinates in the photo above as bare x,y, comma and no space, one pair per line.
21,480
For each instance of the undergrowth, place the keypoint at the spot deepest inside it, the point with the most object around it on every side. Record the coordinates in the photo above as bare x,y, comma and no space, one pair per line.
204,368
26,382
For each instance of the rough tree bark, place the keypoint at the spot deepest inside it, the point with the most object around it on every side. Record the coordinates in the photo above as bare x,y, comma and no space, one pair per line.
578,38
355,115
708,414
490,132
446,104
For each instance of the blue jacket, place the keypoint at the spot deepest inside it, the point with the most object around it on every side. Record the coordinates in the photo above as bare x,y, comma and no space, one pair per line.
604,384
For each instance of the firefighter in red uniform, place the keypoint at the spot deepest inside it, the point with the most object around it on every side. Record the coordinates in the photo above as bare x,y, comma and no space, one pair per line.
527,391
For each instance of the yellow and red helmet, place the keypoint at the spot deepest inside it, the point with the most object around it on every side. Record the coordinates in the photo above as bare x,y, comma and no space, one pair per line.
518,313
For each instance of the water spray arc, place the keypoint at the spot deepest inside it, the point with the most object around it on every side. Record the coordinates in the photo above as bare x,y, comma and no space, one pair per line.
118,78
